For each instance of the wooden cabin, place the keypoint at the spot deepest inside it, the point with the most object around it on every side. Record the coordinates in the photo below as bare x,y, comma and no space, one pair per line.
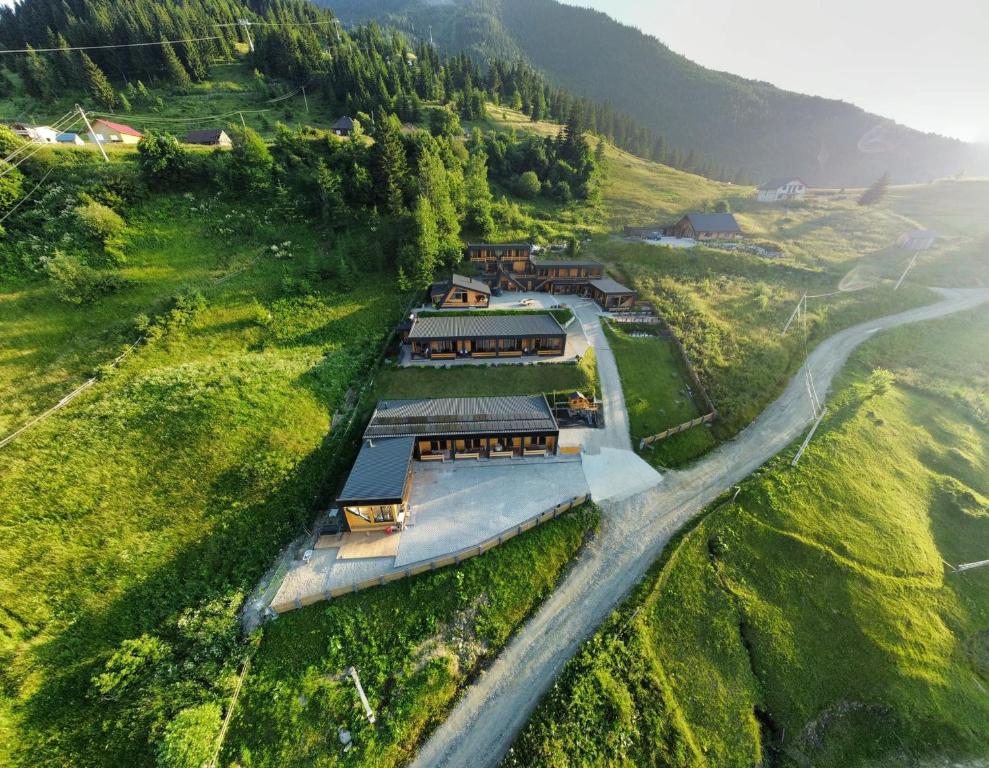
612,295
489,258
460,292
707,226
209,137
449,336
376,493
469,427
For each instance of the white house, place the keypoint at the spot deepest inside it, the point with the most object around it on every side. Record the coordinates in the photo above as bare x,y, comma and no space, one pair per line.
774,190
39,134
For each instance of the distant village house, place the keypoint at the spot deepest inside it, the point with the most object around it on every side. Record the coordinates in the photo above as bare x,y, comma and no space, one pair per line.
707,226
460,292
209,137
344,126
105,132
376,493
69,138
782,189
37,134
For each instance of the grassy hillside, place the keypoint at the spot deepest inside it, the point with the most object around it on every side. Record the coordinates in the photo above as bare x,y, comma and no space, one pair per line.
414,643
811,621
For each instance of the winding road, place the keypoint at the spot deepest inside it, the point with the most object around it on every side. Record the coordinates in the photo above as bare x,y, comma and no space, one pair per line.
634,530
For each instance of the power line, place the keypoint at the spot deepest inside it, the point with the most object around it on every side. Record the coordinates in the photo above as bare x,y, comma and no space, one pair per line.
34,148
104,47
27,196
159,119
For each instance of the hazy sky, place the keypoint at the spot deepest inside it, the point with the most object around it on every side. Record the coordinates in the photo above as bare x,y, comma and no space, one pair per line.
924,63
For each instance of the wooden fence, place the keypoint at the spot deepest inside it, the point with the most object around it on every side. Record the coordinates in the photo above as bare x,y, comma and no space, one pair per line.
711,413
454,558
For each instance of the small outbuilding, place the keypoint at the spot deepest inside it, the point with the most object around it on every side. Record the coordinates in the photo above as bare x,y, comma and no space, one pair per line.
782,189
707,226
69,138
612,295
209,137
344,126
460,292
376,493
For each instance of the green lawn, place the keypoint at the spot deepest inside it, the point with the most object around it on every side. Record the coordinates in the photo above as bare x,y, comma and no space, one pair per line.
158,499
487,380
657,396
415,643
810,620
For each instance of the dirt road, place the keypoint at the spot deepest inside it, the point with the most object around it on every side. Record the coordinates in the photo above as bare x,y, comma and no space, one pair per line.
634,531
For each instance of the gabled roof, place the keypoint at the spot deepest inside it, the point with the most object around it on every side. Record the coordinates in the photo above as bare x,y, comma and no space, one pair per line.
607,285
470,283
118,127
782,181
566,263
713,222
379,472
204,136
344,123
475,246
67,137
461,416
485,325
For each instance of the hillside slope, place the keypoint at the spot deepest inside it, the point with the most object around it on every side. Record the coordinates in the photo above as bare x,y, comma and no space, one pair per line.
764,130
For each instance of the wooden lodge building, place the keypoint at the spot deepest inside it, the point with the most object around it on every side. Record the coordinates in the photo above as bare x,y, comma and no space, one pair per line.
449,336
706,226
376,494
511,267
460,292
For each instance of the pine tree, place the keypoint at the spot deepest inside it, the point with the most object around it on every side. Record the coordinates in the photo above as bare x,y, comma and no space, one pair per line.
420,256
477,216
176,72
434,185
390,164
39,80
97,84
876,191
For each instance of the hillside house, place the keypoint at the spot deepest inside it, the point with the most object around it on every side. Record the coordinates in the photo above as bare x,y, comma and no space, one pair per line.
511,267
344,126
69,138
105,132
376,493
917,240
706,226
37,134
460,292
209,137
782,189
612,295
449,336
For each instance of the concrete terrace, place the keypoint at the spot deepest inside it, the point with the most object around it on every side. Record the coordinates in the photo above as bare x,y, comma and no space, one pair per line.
457,505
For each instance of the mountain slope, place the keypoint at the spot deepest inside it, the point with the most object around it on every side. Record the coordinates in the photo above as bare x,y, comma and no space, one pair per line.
735,122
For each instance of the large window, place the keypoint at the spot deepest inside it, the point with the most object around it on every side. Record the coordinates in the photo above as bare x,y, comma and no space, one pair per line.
486,345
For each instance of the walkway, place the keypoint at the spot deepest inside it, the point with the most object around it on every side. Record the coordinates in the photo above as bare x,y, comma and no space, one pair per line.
634,531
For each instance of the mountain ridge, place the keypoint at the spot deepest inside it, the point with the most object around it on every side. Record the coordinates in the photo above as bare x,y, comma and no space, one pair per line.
734,121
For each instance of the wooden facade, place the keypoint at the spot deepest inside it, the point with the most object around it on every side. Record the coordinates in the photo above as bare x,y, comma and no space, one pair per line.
376,494
706,226
612,295
460,292
447,337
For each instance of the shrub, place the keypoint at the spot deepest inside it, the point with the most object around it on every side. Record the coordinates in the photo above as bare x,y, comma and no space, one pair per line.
190,738
78,283
99,221
528,185
161,157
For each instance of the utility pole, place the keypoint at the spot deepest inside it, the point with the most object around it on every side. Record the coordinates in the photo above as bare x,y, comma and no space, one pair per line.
431,36
95,137
305,99
800,304
246,24
904,275
242,123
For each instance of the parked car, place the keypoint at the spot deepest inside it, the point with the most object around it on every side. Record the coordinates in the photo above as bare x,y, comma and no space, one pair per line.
527,303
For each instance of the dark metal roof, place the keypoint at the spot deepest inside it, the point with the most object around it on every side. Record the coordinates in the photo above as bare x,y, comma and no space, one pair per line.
713,222
607,285
782,181
485,325
205,136
470,283
379,472
343,124
461,416
475,246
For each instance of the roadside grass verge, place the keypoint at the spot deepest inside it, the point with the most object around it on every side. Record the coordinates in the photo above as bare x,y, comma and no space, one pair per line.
657,395
811,621
415,643
396,383
145,511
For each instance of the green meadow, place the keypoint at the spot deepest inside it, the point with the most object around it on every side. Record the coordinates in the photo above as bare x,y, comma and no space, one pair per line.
811,620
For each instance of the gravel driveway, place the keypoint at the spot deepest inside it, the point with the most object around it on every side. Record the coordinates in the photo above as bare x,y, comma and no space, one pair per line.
634,531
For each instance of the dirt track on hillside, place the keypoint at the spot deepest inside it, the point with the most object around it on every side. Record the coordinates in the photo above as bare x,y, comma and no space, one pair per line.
634,531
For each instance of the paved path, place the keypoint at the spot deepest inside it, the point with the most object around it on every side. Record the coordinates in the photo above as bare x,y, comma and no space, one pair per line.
634,531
